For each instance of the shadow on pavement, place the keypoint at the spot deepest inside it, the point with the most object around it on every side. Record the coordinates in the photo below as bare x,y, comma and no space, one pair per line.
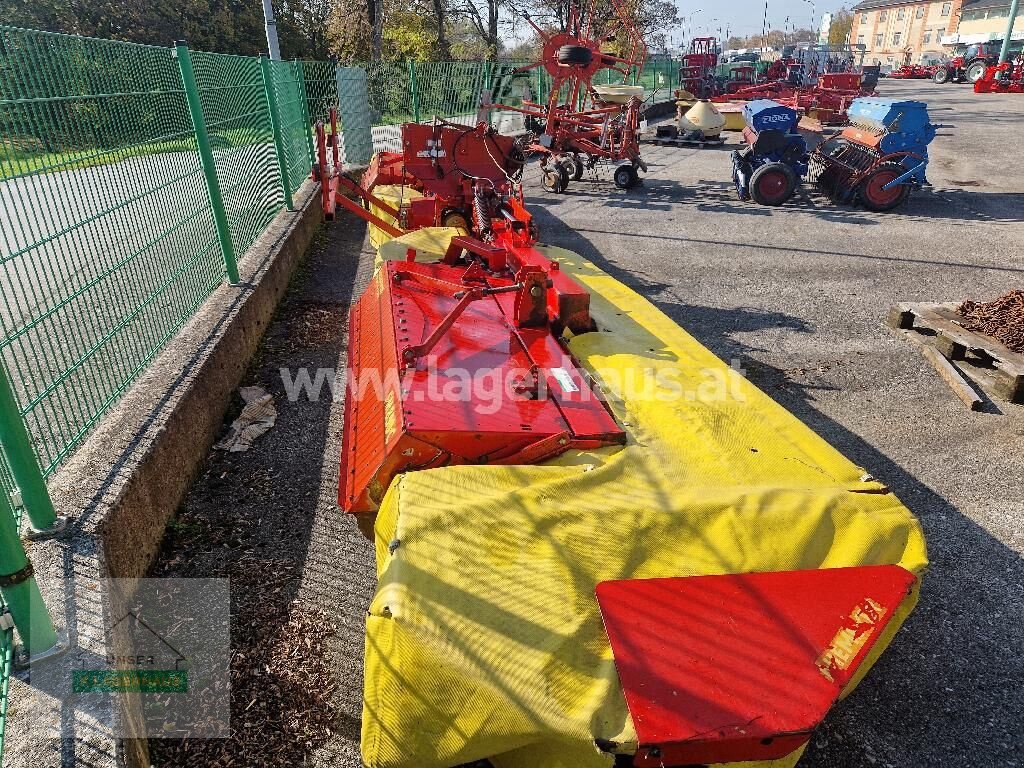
948,691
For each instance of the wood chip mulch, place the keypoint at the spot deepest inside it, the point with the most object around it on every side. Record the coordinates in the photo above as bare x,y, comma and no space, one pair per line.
282,686
1002,319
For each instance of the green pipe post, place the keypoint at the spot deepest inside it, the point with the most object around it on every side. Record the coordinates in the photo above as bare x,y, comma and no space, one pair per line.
414,92
275,125
300,76
22,459
19,589
1004,52
195,108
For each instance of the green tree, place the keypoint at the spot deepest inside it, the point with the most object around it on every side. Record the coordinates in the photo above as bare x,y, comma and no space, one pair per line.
842,24
38,14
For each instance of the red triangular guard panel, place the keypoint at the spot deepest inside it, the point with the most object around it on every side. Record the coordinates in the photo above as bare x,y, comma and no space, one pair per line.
718,669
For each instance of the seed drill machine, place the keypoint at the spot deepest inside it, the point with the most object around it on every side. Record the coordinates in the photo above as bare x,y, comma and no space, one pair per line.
876,161
774,159
880,158
597,545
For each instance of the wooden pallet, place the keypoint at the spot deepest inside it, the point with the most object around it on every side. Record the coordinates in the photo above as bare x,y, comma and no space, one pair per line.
956,343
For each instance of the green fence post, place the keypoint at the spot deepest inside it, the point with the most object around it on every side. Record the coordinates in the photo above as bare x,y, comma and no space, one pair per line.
19,589
300,75
275,125
414,92
22,459
195,108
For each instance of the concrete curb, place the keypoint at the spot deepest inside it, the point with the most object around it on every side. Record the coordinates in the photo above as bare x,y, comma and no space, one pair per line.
157,437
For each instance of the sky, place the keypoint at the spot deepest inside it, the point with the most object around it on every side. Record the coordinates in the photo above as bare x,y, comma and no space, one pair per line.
746,17
743,18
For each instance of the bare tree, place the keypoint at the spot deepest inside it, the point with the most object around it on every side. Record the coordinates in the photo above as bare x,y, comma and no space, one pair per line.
483,17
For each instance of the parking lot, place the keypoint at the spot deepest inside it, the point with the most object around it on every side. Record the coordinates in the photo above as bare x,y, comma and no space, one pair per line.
798,295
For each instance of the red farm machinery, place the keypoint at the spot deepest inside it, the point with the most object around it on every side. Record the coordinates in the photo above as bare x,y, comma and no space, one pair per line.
585,123
1007,77
969,65
427,334
819,81
502,437
493,303
697,70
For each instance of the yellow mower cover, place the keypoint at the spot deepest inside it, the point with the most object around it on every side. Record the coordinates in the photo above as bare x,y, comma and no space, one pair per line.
484,638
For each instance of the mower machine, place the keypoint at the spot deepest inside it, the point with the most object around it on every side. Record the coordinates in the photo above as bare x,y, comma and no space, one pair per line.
584,123
1007,77
769,168
597,545
879,158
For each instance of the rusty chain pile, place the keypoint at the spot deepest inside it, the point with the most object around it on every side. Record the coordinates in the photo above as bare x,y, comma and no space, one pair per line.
1002,319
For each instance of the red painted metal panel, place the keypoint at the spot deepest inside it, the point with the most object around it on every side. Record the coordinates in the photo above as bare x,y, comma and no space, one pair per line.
487,391
741,666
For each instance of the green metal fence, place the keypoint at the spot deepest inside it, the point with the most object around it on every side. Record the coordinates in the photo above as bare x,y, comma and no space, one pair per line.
234,103
287,90
6,664
108,234
112,235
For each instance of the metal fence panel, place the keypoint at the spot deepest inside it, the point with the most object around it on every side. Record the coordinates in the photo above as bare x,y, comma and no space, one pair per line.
108,241
234,102
291,101
321,88
354,111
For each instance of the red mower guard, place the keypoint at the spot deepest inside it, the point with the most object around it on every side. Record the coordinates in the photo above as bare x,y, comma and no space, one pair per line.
741,667
449,366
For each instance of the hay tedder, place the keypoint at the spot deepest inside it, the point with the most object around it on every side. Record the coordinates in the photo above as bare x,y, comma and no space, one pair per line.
597,545
584,123
879,158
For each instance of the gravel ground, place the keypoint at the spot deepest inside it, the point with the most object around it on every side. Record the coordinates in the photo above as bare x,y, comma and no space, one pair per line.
799,296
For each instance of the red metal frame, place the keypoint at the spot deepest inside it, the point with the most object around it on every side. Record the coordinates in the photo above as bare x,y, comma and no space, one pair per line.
698,64
914,72
1007,77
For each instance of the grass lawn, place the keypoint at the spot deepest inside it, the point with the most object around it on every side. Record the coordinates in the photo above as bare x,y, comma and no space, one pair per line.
30,157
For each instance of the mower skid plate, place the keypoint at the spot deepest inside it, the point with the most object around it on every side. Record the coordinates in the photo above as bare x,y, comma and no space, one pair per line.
487,392
741,667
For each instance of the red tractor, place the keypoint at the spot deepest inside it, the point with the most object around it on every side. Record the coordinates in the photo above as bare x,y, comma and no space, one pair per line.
969,66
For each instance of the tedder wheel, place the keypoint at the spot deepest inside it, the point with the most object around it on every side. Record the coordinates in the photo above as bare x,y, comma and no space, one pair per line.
941,75
555,178
575,54
626,177
573,166
874,197
976,71
772,184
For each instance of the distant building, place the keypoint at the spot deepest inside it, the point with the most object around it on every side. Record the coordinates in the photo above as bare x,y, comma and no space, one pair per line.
984,20
898,32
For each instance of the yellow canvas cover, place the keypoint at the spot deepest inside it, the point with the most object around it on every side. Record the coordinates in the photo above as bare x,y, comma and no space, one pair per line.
484,638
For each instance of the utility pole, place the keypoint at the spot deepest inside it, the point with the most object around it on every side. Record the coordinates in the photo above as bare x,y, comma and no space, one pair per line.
273,47
1004,52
